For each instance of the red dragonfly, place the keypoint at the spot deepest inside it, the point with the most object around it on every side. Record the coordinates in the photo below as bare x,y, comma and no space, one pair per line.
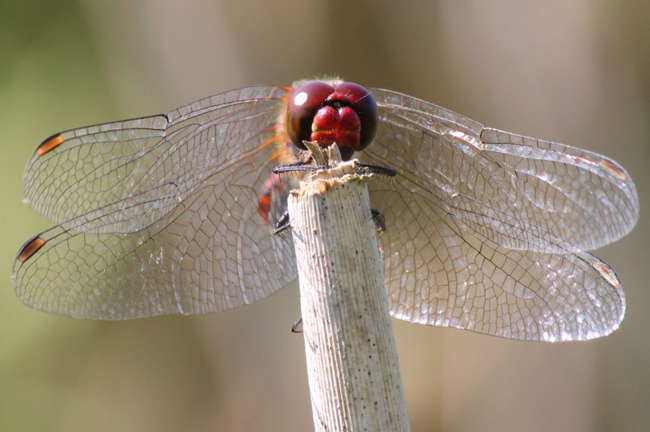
486,230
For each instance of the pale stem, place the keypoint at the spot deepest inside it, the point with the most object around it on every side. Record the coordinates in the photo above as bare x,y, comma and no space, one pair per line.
353,370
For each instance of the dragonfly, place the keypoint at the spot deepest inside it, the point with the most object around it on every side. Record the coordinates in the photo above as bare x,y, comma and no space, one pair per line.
486,230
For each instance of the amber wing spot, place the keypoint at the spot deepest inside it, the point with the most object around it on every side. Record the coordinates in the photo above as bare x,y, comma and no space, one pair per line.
30,248
607,273
49,144
613,169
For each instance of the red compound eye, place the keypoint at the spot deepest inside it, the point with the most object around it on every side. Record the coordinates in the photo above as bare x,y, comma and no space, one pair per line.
366,108
345,115
303,106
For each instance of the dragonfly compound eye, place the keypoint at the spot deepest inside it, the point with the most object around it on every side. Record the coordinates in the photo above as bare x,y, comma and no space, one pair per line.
345,114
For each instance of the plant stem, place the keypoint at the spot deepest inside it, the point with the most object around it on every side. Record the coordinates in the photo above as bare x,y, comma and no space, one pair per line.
353,370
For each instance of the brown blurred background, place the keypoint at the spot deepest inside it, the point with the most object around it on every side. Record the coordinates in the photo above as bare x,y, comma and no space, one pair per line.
575,72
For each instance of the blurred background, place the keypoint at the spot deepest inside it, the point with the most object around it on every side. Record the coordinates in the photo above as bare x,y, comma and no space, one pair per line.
574,72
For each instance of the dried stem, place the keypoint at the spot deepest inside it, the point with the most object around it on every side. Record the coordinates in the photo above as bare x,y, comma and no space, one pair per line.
353,370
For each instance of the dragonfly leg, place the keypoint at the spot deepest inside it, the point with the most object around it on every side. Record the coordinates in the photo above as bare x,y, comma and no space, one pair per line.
308,166
283,224
294,327
296,167
378,219
377,169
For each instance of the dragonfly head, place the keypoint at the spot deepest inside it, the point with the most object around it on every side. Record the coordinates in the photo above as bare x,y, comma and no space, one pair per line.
345,114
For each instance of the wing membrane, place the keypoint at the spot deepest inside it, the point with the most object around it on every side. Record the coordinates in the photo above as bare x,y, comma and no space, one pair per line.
560,180
159,215
486,229
210,254
438,272
519,192
149,165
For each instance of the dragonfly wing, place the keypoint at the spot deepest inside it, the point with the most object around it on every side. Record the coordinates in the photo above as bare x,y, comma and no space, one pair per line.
159,215
210,254
439,272
519,192
487,230
579,194
145,167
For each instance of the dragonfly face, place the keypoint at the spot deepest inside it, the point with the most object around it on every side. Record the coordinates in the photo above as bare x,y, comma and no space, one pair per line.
334,112
486,230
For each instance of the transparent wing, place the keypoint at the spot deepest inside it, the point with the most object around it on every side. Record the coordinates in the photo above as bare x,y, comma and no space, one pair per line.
519,192
139,170
176,233
487,230
210,254
439,272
